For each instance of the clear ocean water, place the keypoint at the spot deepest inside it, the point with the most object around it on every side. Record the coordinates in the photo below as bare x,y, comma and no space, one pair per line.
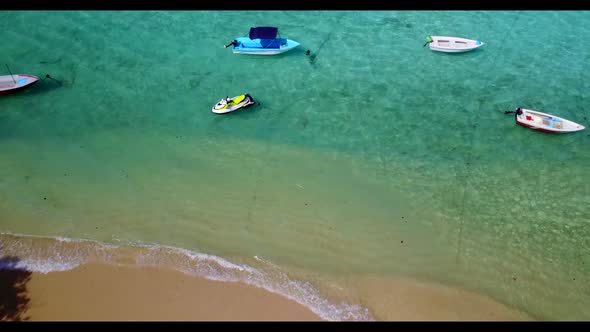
371,156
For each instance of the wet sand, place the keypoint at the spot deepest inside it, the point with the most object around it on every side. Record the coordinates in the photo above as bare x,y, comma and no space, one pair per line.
403,299
99,292
109,292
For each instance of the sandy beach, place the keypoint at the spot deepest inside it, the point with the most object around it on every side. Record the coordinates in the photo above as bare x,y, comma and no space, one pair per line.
104,292
107,292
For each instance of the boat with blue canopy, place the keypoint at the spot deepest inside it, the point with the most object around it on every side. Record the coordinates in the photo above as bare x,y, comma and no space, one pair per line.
262,41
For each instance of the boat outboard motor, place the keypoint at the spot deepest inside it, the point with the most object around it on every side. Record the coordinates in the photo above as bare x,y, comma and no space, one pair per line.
233,42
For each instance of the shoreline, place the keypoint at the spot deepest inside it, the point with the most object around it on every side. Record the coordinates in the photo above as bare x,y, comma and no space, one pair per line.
109,292
69,279
101,292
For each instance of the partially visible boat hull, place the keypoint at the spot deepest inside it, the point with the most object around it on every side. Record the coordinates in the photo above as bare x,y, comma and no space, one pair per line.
546,122
23,81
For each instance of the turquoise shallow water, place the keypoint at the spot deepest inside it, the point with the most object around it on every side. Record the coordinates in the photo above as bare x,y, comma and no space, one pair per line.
375,155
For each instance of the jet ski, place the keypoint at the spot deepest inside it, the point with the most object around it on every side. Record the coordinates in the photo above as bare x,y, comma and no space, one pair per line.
227,105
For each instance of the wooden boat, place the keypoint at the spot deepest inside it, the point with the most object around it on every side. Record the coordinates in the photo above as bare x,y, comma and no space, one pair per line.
452,44
545,122
13,83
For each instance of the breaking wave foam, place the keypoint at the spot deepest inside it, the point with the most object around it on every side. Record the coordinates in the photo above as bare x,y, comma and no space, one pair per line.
47,254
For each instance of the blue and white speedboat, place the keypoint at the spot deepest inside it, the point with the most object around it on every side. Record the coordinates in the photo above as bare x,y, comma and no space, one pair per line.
262,41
